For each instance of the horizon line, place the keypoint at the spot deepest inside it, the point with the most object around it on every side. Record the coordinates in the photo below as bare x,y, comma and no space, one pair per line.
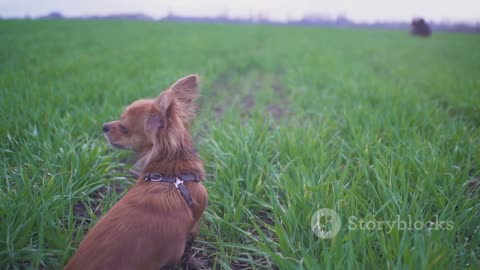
255,18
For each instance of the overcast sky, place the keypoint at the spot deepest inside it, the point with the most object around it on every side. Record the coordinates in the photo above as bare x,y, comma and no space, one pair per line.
280,10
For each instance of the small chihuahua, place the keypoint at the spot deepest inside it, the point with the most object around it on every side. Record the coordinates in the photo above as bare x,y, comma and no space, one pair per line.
150,226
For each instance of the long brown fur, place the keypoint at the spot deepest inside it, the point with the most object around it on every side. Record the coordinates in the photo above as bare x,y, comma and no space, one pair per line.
149,227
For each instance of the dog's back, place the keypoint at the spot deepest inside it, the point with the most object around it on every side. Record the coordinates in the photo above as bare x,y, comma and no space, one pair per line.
138,233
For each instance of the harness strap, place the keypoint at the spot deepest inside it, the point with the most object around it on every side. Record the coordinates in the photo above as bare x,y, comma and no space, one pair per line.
176,181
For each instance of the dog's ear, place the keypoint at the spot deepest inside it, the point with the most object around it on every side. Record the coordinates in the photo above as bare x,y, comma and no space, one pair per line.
157,117
185,91
186,88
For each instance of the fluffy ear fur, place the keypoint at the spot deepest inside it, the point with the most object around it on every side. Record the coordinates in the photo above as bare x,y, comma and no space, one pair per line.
157,117
168,118
185,92
182,94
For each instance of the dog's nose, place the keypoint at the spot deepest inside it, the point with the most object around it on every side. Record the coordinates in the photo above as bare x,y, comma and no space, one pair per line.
106,128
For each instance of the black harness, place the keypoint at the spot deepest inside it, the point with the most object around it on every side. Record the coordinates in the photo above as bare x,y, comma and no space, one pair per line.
177,181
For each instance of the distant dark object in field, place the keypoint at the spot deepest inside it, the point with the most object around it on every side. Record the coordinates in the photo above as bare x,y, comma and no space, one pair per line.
420,28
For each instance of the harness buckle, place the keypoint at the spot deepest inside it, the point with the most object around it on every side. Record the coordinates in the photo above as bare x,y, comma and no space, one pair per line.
178,182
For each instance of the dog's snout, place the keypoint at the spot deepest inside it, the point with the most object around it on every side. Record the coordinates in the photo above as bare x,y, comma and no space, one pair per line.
106,128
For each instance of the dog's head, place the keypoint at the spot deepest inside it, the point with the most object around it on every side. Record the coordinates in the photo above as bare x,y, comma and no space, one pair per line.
157,127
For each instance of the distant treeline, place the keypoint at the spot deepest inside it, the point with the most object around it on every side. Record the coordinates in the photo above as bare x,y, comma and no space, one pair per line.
309,20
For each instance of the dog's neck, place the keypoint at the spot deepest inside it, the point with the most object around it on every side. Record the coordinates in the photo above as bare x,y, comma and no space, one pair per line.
183,161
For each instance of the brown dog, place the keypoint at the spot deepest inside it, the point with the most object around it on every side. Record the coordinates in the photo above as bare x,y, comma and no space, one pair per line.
149,227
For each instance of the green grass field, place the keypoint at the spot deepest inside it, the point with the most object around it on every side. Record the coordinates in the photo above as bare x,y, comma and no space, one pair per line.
375,124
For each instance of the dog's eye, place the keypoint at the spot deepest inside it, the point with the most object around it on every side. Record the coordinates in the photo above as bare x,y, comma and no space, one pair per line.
123,129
